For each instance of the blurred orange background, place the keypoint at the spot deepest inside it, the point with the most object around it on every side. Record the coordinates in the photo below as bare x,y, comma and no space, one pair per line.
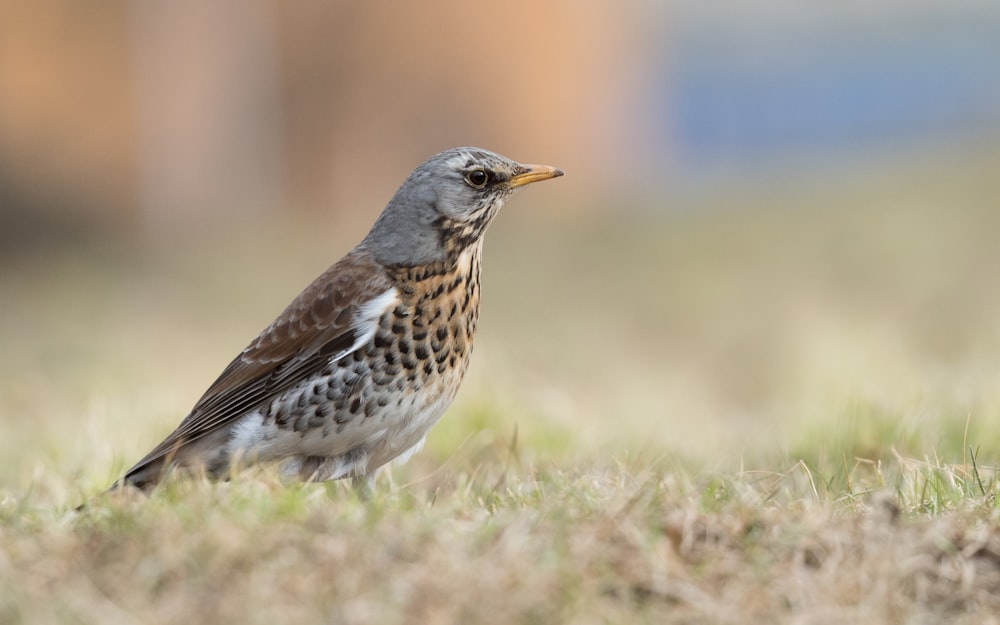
170,115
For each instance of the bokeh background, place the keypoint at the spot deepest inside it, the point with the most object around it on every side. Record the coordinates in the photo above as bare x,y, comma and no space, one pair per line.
778,227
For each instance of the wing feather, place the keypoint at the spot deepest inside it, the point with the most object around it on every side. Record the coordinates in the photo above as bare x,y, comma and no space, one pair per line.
332,317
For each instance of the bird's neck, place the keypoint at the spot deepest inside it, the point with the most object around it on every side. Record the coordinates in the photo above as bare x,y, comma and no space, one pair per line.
458,265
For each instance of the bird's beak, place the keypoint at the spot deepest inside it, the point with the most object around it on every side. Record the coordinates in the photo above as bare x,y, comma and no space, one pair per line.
534,173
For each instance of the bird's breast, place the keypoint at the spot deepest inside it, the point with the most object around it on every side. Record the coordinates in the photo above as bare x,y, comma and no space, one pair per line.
389,393
426,339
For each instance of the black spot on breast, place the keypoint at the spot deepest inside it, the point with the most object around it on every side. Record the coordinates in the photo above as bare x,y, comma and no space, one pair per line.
441,333
421,352
355,406
267,413
324,410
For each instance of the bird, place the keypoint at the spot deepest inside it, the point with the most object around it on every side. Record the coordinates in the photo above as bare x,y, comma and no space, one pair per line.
354,373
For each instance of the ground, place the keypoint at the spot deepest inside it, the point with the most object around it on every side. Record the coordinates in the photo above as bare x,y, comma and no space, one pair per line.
780,406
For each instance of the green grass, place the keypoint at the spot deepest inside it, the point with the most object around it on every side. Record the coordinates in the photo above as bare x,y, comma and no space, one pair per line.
785,412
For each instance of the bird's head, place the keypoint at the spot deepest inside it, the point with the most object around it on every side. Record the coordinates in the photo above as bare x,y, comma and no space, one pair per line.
446,204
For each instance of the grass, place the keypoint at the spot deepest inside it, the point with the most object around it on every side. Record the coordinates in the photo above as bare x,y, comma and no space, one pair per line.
503,543
786,413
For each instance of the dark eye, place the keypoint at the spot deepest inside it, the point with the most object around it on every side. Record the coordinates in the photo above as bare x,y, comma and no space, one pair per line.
477,178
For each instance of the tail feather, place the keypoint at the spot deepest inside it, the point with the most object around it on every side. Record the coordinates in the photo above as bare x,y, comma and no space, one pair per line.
144,476
208,453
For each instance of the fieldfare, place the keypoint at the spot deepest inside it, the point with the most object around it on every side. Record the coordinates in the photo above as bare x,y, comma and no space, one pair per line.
360,366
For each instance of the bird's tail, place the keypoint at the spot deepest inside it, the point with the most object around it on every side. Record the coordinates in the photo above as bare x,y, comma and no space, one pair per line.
207,454
143,476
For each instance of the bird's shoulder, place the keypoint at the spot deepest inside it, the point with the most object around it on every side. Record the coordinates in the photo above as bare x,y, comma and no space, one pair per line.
325,313
329,319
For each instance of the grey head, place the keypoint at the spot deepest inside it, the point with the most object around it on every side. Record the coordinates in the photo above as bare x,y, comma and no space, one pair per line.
446,204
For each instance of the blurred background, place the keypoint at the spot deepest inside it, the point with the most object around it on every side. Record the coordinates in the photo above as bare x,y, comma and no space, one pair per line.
778,226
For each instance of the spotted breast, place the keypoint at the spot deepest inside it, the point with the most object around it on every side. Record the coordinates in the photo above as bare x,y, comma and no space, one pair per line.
377,403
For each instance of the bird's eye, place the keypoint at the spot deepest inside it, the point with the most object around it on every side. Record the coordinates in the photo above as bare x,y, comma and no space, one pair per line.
477,178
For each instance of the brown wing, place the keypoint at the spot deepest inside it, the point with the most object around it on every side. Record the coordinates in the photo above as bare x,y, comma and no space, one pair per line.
316,326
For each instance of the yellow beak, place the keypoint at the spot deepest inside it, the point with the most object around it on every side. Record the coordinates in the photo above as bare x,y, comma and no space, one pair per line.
534,173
